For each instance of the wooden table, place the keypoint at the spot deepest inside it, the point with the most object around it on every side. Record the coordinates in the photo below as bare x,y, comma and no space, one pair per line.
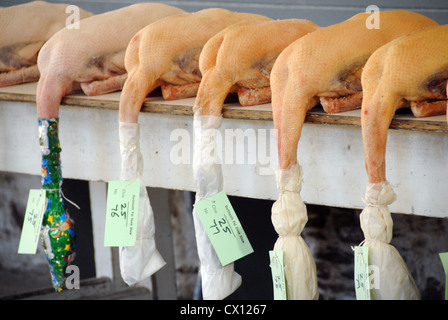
330,151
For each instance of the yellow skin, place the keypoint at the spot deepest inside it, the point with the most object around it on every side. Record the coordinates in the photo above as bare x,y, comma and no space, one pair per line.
411,68
328,63
242,56
23,31
168,52
91,57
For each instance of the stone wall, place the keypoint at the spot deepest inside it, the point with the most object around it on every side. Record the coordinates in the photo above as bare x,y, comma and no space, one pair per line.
331,232
17,272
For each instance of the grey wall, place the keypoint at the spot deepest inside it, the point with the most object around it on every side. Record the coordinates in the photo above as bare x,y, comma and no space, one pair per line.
321,12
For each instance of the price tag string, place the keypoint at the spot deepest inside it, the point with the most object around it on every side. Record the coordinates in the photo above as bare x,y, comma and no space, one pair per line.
274,257
360,252
65,198
132,181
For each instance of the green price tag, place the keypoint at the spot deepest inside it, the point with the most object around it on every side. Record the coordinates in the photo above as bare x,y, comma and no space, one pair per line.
32,222
122,213
362,280
278,274
223,228
444,258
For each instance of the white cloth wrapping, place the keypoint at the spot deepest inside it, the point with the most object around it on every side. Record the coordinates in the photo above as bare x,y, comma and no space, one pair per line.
289,217
218,281
395,281
142,260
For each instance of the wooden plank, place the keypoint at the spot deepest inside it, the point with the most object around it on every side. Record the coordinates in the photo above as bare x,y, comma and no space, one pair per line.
117,280
164,284
419,124
103,255
331,156
135,293
156,104
88,287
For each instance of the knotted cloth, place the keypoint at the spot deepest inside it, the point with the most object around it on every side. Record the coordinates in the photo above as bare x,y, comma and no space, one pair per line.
395,281
289,216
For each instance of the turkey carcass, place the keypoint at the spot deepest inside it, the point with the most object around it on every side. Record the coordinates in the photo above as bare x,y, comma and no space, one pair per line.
167,53
240,59
91,57
326,66
24,29
410,71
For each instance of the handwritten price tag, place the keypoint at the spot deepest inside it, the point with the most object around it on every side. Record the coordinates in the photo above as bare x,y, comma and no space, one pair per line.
362,280
122,213
223,228
32,222
278,274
